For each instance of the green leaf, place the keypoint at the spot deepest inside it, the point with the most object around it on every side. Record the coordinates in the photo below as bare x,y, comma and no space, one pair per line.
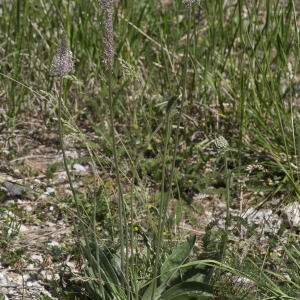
2,296
107,273
188,290
199,273
42,297
169,268
176,259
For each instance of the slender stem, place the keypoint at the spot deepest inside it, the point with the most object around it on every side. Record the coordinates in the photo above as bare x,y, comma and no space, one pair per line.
162,207
183,100
227,176
62,147
227,218
94,222
121,209
132,263
165,198
23,283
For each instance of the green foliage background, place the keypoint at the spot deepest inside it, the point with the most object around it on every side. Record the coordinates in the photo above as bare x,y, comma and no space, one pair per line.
242,84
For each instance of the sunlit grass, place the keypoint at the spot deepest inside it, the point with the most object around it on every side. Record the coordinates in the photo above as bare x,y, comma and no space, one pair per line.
235,65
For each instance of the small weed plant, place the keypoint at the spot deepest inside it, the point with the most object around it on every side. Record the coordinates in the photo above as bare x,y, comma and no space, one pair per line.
164,100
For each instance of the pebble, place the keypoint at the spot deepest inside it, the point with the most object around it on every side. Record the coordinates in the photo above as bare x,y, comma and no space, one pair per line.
79,168
13,189
14,286
50,191
291,215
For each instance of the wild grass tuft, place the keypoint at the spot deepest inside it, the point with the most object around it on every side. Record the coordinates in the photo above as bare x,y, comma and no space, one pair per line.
154,85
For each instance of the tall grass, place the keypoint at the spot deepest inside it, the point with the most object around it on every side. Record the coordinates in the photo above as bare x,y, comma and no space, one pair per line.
232,68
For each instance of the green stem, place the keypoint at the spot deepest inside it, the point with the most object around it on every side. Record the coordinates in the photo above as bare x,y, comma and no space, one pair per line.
134,283
165,198
227,218
227,222
162,209
62,147
61,141
121,205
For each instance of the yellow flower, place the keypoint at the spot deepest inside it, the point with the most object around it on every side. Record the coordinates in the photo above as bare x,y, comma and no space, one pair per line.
164,233
135,126
149,206
136,228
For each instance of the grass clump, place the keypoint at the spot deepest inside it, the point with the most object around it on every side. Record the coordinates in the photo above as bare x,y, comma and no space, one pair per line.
176,100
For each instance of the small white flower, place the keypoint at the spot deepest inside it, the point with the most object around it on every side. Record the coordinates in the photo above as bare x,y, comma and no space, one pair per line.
62,62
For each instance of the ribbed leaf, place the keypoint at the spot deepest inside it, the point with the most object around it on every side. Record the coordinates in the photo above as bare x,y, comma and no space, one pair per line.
188,290
108,273
106,266
169,268
176,259
148,295
111,290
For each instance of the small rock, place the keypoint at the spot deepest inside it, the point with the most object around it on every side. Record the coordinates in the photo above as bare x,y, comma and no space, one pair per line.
291,215
79,168
49,224
37,257
54,243
23,228
13,189
11,292
32,283
61,176
28,208
37,181
50,191
275,201
3,280
42,197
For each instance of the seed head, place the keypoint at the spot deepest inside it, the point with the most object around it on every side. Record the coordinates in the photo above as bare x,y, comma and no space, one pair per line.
188,3
62,62
48,260
221,143
20,264
109,46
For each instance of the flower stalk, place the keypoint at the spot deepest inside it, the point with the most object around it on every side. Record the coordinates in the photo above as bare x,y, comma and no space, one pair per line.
108,59
62,64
